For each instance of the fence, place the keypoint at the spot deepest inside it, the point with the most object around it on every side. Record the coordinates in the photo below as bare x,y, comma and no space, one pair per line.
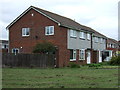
28,60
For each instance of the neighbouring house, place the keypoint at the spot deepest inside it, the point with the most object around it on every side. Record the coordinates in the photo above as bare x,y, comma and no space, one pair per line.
112,48
4,46
118,45
99,46
75,42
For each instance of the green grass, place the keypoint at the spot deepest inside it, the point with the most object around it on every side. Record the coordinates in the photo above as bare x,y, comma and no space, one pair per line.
60,78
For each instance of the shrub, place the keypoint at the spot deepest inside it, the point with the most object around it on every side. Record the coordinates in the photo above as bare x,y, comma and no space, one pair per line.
115,60
45,47
104,63
94,65
74,65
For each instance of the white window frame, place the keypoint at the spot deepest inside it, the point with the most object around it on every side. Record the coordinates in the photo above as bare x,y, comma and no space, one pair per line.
96,39
82,52
101,40
24,32
16,49
48,29
74,55
88,36
73,33
82,35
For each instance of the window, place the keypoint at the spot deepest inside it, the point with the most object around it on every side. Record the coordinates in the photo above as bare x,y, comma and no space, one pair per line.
73,33
82,54
72,55
25,31
5,46
101,40
96,39
15,50
49,30
113,45
88,36
82,35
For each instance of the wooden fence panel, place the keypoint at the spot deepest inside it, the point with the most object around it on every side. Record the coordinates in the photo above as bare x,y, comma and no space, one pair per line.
28,60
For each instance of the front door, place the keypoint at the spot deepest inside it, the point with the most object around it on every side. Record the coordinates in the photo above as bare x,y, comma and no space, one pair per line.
88,57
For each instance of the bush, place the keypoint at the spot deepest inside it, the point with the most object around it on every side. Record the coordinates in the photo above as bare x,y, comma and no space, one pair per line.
94,65
115,60
74,65
45,47
104,63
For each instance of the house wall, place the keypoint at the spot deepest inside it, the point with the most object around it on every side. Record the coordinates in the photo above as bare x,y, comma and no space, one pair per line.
37,25
98,45
77,43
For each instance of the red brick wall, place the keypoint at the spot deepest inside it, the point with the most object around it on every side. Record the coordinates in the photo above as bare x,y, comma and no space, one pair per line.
37,25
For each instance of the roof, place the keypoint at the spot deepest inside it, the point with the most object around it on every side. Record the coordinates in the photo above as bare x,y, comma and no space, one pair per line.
61,20
112,40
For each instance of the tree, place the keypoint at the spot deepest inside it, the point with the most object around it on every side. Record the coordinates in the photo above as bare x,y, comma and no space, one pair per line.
45,47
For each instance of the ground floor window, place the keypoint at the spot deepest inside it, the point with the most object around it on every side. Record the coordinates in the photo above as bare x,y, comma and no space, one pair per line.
72,55
82,54
15,50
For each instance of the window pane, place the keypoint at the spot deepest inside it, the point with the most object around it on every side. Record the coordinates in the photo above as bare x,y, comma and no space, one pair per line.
47,30
71,32
71,54
23,31
27,31
82,54
74,33
88,36
74,54
51,30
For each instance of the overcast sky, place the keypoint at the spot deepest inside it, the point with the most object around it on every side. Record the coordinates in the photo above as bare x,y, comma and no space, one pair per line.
101,15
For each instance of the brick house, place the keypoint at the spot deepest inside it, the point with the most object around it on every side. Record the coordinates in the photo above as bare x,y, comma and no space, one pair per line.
4,46
75,42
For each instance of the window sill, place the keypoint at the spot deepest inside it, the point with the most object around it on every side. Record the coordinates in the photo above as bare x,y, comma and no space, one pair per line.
26,36
82,38
88,39
82,59
73,37
49,34
72,59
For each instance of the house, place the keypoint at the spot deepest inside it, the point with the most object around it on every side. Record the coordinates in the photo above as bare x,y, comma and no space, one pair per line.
118,45
99,46
4,46
112,48
74,42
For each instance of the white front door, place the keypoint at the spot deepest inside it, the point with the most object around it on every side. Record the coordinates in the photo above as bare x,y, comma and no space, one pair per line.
88,57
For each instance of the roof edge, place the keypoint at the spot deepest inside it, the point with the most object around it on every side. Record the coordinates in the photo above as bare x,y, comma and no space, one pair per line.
31,7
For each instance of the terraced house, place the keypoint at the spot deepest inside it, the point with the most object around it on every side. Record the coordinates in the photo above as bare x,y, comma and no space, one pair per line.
75,42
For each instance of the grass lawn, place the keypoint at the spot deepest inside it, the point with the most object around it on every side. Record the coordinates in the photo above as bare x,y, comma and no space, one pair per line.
60,78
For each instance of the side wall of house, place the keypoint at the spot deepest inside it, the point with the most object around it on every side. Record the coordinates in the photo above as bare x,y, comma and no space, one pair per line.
37,24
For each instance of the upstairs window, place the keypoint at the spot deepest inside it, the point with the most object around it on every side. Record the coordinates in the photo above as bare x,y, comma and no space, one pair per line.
88,36
101,40
73,33
96,39
25,31
49,30
82,35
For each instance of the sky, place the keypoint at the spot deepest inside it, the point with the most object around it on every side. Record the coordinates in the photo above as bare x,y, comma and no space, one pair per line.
101,15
